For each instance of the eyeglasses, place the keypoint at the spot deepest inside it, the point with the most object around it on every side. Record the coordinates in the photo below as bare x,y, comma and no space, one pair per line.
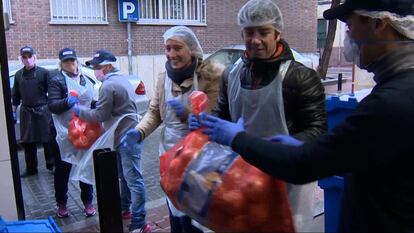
27,57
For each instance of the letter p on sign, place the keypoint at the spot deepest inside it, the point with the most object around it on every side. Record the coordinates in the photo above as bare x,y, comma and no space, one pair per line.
127,8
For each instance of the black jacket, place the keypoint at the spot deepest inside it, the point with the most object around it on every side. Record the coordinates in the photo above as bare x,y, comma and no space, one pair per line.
26,93
303,94
58,93
374,146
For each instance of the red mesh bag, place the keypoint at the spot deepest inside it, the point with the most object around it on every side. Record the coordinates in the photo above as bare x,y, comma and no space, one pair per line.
82,134
217,188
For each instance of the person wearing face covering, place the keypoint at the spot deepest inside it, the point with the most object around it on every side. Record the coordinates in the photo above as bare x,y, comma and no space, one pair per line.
117,111
60,103
374,145
30,90
185,72
274,94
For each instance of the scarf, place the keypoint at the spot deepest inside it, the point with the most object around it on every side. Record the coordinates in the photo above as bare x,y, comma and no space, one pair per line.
179,75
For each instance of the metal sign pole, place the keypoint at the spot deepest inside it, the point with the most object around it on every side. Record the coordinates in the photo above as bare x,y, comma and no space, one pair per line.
129,48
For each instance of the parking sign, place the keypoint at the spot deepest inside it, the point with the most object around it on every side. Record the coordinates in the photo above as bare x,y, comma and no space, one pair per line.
128,10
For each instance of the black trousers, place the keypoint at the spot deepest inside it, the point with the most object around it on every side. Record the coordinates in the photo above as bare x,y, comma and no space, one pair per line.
30,155
61,179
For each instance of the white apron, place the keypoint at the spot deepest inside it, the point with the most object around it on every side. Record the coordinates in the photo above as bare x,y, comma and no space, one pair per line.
84,170
61,121
264,116
174,130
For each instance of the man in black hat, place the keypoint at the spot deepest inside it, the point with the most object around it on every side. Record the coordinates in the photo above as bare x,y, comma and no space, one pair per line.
374,146
30,90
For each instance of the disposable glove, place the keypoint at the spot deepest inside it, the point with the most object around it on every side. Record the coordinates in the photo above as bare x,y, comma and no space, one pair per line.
76,110
177,106
72,100
193,122
221,131
131,137
287,140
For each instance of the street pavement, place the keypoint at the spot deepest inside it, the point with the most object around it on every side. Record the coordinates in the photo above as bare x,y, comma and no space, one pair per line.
38,191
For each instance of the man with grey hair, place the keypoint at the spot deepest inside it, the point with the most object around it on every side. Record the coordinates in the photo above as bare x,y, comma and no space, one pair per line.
117,110
373,146
272,92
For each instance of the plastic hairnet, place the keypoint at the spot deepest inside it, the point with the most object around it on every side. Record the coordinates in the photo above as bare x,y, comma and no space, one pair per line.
259,13
403,24
185,35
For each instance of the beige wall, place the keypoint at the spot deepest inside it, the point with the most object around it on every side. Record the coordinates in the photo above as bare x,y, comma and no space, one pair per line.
8,209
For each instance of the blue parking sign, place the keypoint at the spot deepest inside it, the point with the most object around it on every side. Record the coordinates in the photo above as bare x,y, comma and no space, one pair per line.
128,10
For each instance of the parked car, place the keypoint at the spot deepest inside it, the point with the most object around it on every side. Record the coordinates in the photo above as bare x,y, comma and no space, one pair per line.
141,99
230,54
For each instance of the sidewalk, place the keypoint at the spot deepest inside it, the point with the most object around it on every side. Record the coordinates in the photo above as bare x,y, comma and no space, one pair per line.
39,200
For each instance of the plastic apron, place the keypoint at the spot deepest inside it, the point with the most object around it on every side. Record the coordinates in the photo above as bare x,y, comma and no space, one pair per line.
68,152
174,130
264,116
84,171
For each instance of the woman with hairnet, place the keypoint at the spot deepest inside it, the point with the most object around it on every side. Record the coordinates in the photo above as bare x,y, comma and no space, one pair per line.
185,72
273,93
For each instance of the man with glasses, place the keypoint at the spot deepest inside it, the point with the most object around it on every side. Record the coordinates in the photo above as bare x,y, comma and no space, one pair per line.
30,90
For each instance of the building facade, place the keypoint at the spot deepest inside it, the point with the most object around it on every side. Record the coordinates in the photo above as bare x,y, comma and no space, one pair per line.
89,25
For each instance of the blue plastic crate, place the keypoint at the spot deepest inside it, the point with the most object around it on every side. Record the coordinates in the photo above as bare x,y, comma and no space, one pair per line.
44,226
337,110
333,190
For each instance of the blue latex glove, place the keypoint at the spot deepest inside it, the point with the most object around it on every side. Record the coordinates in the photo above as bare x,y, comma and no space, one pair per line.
177,106
131,137
221,131
76,110
287,140
14,117
72,100
193,122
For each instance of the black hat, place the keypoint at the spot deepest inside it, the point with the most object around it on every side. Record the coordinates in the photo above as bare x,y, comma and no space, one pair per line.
399,7
101,56
67,53
27,49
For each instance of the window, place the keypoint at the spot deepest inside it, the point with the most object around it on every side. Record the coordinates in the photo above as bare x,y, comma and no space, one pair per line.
7,9
322,32
173,12
78,12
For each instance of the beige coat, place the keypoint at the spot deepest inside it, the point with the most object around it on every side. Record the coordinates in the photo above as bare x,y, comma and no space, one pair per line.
209,76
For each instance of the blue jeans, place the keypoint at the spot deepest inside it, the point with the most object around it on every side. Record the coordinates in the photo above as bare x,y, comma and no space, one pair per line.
132,183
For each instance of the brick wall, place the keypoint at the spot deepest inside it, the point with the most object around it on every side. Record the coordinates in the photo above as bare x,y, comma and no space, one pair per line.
300,18
32,27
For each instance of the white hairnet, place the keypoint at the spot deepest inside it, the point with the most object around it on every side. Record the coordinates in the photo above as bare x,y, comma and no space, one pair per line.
185,35
403,24
259,13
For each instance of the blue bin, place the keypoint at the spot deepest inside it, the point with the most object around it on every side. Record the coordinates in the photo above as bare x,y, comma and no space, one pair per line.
333,190
333,186
44,226
338,110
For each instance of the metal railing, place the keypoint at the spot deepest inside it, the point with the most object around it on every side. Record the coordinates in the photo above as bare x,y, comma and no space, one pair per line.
78,11
187,12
